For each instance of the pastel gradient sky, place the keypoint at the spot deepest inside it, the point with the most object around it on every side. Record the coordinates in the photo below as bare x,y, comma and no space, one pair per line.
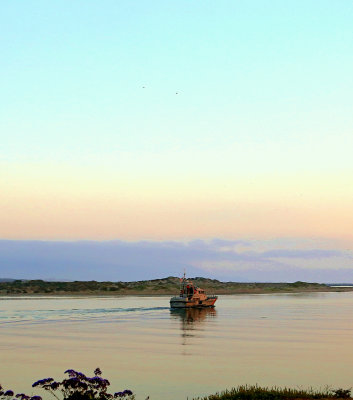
176,120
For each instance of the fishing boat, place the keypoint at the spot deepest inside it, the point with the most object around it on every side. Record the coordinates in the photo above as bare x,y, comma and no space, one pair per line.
191,296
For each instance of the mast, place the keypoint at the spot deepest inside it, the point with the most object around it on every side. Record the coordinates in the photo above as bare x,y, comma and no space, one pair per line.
183,285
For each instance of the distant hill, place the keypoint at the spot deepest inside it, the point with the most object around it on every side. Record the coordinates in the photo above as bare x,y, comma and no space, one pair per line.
6,280
167,286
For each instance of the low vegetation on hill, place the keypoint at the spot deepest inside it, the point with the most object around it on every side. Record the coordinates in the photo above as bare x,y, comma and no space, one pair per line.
167,286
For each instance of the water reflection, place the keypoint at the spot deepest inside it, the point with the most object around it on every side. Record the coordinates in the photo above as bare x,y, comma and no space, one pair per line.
232,344
193,321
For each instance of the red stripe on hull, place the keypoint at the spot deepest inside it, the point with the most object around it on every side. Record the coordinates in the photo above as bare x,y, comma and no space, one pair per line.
205,303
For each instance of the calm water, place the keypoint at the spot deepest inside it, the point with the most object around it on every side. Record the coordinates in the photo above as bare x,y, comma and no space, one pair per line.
139,343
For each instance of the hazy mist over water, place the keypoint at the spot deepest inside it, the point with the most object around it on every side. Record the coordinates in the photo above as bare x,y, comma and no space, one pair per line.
277,260
281,339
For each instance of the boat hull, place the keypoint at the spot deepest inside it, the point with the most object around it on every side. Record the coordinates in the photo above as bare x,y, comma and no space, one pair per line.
183,302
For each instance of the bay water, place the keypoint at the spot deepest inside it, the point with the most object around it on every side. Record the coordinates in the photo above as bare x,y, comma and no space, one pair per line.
298,340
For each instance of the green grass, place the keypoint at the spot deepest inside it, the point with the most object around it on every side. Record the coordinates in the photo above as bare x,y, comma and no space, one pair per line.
276,393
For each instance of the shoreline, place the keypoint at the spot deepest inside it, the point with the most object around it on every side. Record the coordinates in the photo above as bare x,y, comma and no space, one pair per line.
169,286
150,293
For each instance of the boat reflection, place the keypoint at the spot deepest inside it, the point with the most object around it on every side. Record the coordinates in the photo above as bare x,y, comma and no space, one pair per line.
193,321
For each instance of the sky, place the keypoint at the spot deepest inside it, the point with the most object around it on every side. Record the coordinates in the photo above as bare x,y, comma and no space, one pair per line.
174,122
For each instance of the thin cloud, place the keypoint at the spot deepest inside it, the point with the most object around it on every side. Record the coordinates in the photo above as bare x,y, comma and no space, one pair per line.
217,258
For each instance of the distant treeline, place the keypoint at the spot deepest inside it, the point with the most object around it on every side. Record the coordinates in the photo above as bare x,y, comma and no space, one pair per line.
166,286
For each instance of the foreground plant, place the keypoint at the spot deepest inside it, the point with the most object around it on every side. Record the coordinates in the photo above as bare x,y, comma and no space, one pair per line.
275,393
8,394
77,386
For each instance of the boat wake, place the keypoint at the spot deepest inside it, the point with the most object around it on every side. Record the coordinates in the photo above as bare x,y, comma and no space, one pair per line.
80,314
